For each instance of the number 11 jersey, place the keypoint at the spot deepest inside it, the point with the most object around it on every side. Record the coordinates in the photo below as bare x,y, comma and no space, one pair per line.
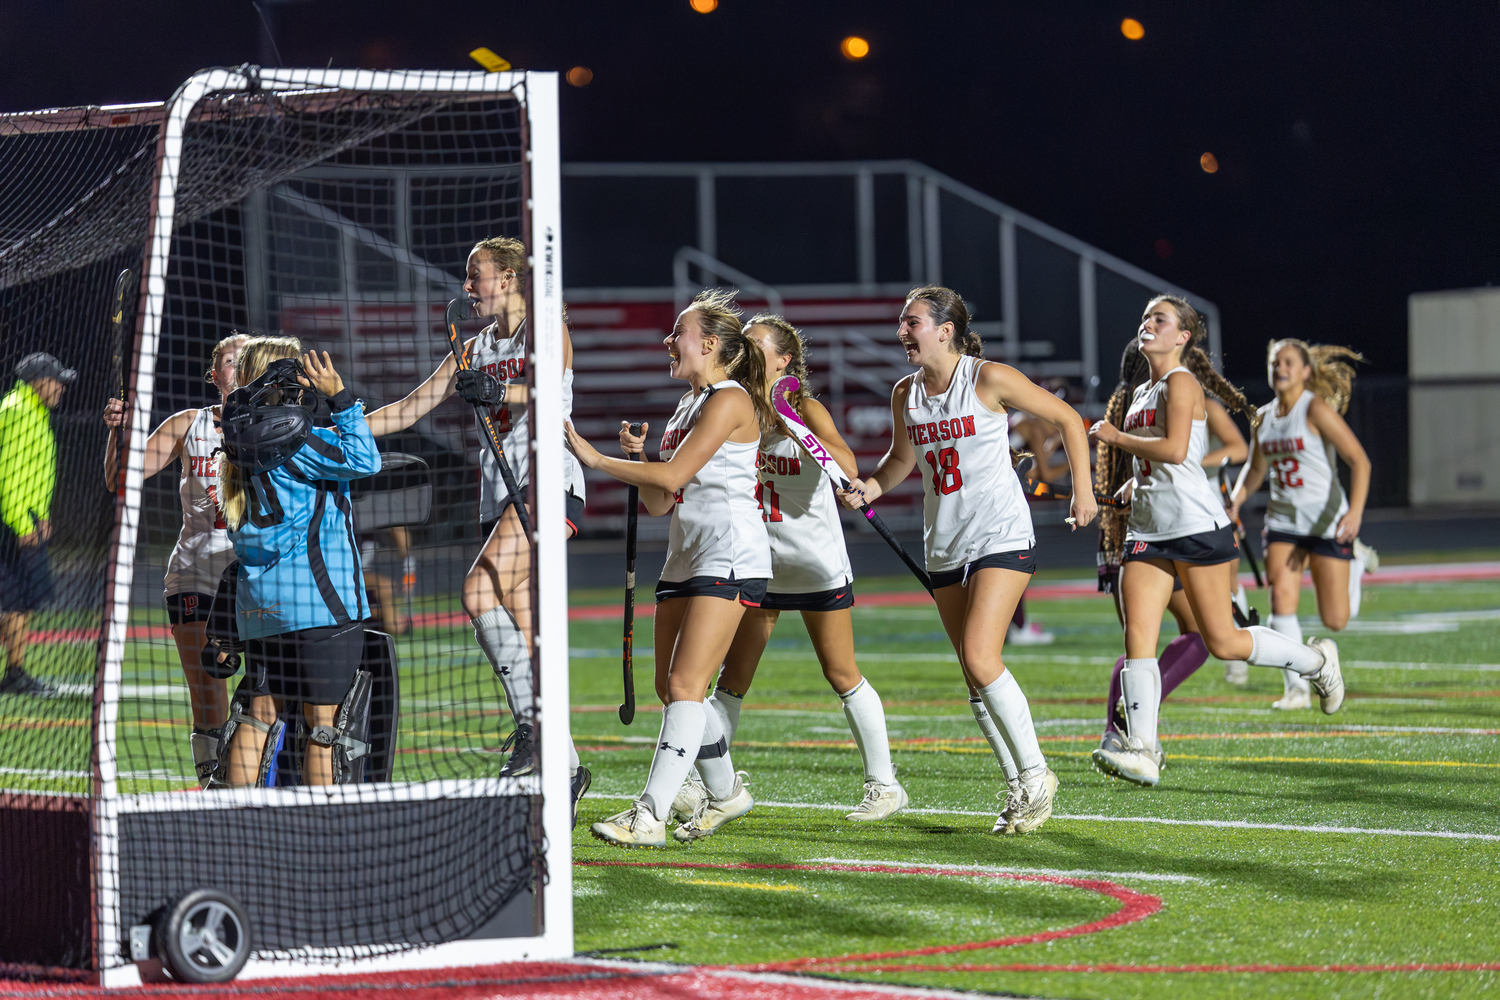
972,504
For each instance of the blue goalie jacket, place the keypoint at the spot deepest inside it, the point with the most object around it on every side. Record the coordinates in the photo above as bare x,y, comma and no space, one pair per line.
299,563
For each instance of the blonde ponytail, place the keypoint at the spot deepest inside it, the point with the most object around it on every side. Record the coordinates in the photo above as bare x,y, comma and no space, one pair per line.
254,358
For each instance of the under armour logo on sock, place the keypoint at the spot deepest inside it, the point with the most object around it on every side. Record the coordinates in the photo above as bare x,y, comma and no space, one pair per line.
504,671
677,750
1135,706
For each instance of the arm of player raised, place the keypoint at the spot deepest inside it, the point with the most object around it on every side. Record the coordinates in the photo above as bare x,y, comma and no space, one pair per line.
723,416
1222,426
895,465
162,445
820,422
1335,430
1006,384
1183,395
422,400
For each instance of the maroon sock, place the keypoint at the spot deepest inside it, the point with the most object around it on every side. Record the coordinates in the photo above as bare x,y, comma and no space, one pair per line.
1183,655
1114,696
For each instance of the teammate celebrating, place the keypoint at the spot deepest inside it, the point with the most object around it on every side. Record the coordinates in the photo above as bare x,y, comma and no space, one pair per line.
718,560
203,549
1299,435
497,591
977,527
810,574
1178,528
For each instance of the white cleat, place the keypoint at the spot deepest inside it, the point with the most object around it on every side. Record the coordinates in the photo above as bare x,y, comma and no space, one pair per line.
1006,822
686,804
1037,794
1128,759
713,813
1030,634
1329,680
880,802
1236,672
1369,555
635,827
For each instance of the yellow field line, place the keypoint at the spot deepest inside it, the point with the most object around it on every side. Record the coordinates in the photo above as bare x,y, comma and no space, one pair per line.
744,885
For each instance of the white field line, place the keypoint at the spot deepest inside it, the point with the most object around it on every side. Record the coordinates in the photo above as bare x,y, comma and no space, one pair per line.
1393,665
1064,873
1211,823
830,987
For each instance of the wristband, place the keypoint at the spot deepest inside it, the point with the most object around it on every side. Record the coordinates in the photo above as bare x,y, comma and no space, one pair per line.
341,400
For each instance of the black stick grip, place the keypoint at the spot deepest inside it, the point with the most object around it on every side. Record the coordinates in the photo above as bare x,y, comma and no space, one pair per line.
632,515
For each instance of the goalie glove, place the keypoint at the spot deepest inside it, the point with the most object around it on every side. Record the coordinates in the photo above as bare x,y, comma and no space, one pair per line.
479,388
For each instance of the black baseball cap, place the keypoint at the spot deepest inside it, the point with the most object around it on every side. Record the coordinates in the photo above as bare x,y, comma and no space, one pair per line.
43,365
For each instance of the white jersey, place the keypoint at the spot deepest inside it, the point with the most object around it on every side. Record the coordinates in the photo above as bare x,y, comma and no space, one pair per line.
808,554
1306,495
505,359
1169,501
203,547
972,504
716,527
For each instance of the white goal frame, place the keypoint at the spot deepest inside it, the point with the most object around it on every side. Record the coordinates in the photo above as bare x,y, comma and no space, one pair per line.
538,94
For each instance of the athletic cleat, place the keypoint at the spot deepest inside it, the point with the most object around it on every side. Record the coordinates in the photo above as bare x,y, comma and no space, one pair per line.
519,744
1129,760
1036,801
1030,634
582,779
693,793
1294,700
880,802
1369,555
1119,715
1005,823
1236,672
1329,680
18,681
713,813
635,827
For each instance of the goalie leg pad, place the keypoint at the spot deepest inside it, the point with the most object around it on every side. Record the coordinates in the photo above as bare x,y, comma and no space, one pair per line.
348,735
239,714
275,737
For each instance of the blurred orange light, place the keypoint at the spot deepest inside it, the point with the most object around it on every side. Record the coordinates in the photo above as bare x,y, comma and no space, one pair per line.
580,76
1132,29
1209,162
854,48
703,6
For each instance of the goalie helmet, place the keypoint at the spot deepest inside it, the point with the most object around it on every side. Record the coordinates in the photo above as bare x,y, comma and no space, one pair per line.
261,434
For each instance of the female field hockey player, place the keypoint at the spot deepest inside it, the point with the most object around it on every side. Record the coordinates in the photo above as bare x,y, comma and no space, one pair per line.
1178,528
497,590
978,535
1298,436
300,601
718,560
203,549
810,574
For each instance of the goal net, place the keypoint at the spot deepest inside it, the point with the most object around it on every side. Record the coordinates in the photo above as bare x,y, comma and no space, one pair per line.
339,208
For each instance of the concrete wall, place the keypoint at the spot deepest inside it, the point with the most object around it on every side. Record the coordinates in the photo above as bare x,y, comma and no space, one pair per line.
1454,366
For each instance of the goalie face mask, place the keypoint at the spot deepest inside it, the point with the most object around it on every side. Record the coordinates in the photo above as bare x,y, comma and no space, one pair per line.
261,434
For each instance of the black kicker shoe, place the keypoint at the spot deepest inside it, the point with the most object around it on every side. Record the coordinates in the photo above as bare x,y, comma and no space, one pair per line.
519,745
581,782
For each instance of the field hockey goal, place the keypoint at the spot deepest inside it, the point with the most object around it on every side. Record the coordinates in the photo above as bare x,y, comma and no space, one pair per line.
337,206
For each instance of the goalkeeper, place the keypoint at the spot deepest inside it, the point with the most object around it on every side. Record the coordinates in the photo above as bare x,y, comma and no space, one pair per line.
284,493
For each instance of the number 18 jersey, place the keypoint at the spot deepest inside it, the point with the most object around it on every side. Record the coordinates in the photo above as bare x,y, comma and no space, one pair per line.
972,504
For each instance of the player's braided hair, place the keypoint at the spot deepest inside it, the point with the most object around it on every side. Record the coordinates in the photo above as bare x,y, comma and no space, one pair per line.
1114,463
719,317
1332,378
506,254
947,306
234,337
253,360
787,339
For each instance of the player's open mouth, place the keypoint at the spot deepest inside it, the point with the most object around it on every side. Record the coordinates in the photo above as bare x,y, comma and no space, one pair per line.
1145,337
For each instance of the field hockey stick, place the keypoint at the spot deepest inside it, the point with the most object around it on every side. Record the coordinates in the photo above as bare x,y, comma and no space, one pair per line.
1239,525
1051,491
809,441
458,311
117,318
633,500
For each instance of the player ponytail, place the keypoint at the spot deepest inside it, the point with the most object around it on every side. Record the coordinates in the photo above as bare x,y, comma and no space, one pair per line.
1195,358
741,358
787,340
1114,464
945,305
1332,378
254,357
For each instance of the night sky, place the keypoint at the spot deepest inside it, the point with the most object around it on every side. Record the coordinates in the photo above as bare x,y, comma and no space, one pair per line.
1358,144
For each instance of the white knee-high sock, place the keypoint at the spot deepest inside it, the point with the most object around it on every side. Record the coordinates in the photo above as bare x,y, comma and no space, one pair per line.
681,736
1272,649
727,707
1356,585
714,765
867,722
1012,713
1140,684
1289,626
573,761
992,734
505,647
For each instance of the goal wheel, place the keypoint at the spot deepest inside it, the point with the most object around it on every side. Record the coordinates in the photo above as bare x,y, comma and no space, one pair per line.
204,937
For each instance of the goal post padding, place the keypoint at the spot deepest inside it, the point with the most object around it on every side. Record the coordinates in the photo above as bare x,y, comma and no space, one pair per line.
338,207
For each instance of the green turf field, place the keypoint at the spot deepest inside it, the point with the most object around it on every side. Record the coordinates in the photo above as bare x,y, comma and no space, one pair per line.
1413,751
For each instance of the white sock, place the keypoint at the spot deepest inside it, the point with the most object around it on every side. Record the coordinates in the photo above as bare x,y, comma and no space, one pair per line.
681,736
1012,715
1140,683
1356,585
1240,600
992,734
573,760
1272,649
714,766
727,707
504,645
1289,626
867,722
